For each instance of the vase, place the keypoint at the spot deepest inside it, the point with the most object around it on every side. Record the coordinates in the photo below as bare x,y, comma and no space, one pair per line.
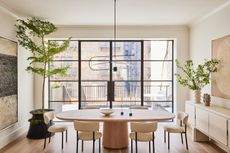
197,94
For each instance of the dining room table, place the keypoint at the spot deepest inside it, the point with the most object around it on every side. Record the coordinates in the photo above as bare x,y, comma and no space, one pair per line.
115,126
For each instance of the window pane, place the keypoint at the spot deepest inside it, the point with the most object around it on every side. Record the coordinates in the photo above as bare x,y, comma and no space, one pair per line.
71,53
72,72
64,91
127,91
95,50
158,70
94,91
157,50
127,50
127,70
157,91
94,70
126,104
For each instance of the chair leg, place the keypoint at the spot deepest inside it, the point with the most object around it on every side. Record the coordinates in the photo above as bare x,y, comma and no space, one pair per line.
93,146
168,140
164,136
131,146
44,143
77,142
182,138
186,140
66,136
93,142
62,136
82,145
99,145
136,142
153,141
149,146
49,136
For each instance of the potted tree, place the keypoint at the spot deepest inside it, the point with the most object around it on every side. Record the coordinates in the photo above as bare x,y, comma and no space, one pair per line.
196,78
31,35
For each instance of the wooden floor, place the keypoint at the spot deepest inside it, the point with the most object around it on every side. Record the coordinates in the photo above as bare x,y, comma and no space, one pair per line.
24,145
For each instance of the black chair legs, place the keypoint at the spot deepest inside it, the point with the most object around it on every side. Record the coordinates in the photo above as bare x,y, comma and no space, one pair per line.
149,146
182,138
131,146
62,137
99,145
168,140
44,143
82,145
164,136
186,141
66,136
153,141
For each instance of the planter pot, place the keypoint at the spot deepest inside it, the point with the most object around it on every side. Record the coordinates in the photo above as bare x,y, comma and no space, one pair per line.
197,96
38,129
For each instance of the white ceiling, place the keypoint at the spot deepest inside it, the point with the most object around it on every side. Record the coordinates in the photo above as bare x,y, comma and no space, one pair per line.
100,12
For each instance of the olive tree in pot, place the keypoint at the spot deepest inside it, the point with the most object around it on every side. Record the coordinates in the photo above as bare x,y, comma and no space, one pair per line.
31,35
196,78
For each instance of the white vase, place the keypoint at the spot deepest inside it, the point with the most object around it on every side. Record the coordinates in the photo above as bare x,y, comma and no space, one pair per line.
197,95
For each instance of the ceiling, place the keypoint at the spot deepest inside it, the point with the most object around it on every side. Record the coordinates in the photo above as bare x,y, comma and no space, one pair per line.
100,12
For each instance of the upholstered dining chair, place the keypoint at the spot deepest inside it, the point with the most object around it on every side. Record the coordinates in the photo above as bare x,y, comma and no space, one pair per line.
87,131
144,132
182,117
48,117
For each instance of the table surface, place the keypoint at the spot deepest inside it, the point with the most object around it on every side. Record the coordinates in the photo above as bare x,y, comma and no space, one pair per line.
156,114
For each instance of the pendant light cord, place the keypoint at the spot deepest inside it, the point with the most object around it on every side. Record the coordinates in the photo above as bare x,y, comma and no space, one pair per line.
115,26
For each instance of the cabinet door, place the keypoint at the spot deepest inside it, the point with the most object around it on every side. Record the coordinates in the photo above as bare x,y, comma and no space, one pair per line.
190,109
202,120
218,128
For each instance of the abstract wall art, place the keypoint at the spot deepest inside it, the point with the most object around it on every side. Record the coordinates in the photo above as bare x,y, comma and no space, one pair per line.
221,79
8,83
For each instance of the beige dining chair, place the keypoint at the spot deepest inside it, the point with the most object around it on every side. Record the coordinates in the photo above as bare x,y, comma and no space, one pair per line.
144,132
182,117
48,117
87,131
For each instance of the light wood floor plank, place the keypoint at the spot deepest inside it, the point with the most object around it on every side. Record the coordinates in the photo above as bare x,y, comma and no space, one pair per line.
24,145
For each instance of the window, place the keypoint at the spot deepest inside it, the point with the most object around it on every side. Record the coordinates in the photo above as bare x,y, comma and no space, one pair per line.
113,74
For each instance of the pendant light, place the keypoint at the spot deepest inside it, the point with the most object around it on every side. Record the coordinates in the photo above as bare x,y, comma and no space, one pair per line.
115,32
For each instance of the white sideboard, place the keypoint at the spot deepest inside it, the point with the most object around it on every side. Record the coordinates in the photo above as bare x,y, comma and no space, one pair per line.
209,123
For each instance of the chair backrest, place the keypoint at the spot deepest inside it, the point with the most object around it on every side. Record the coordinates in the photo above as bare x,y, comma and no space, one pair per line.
48,116
138,107
86,126
143,127
183,118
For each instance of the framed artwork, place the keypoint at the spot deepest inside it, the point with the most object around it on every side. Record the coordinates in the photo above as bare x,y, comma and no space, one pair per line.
8,83
221,79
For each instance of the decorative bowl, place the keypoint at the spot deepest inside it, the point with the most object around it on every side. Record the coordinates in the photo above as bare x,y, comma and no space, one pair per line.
107,112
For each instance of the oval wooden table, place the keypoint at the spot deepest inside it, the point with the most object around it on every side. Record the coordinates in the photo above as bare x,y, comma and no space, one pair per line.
115,129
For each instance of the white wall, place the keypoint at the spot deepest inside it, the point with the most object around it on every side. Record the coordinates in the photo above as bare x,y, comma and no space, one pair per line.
201,35
179,33
25,83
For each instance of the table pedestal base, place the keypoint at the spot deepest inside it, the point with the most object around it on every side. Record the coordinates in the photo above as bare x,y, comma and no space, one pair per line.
115,135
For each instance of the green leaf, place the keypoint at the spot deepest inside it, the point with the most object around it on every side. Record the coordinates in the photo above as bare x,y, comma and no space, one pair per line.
196,78
57,49
61,71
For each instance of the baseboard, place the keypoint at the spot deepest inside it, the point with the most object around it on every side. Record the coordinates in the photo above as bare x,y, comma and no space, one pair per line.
219,145
13,136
